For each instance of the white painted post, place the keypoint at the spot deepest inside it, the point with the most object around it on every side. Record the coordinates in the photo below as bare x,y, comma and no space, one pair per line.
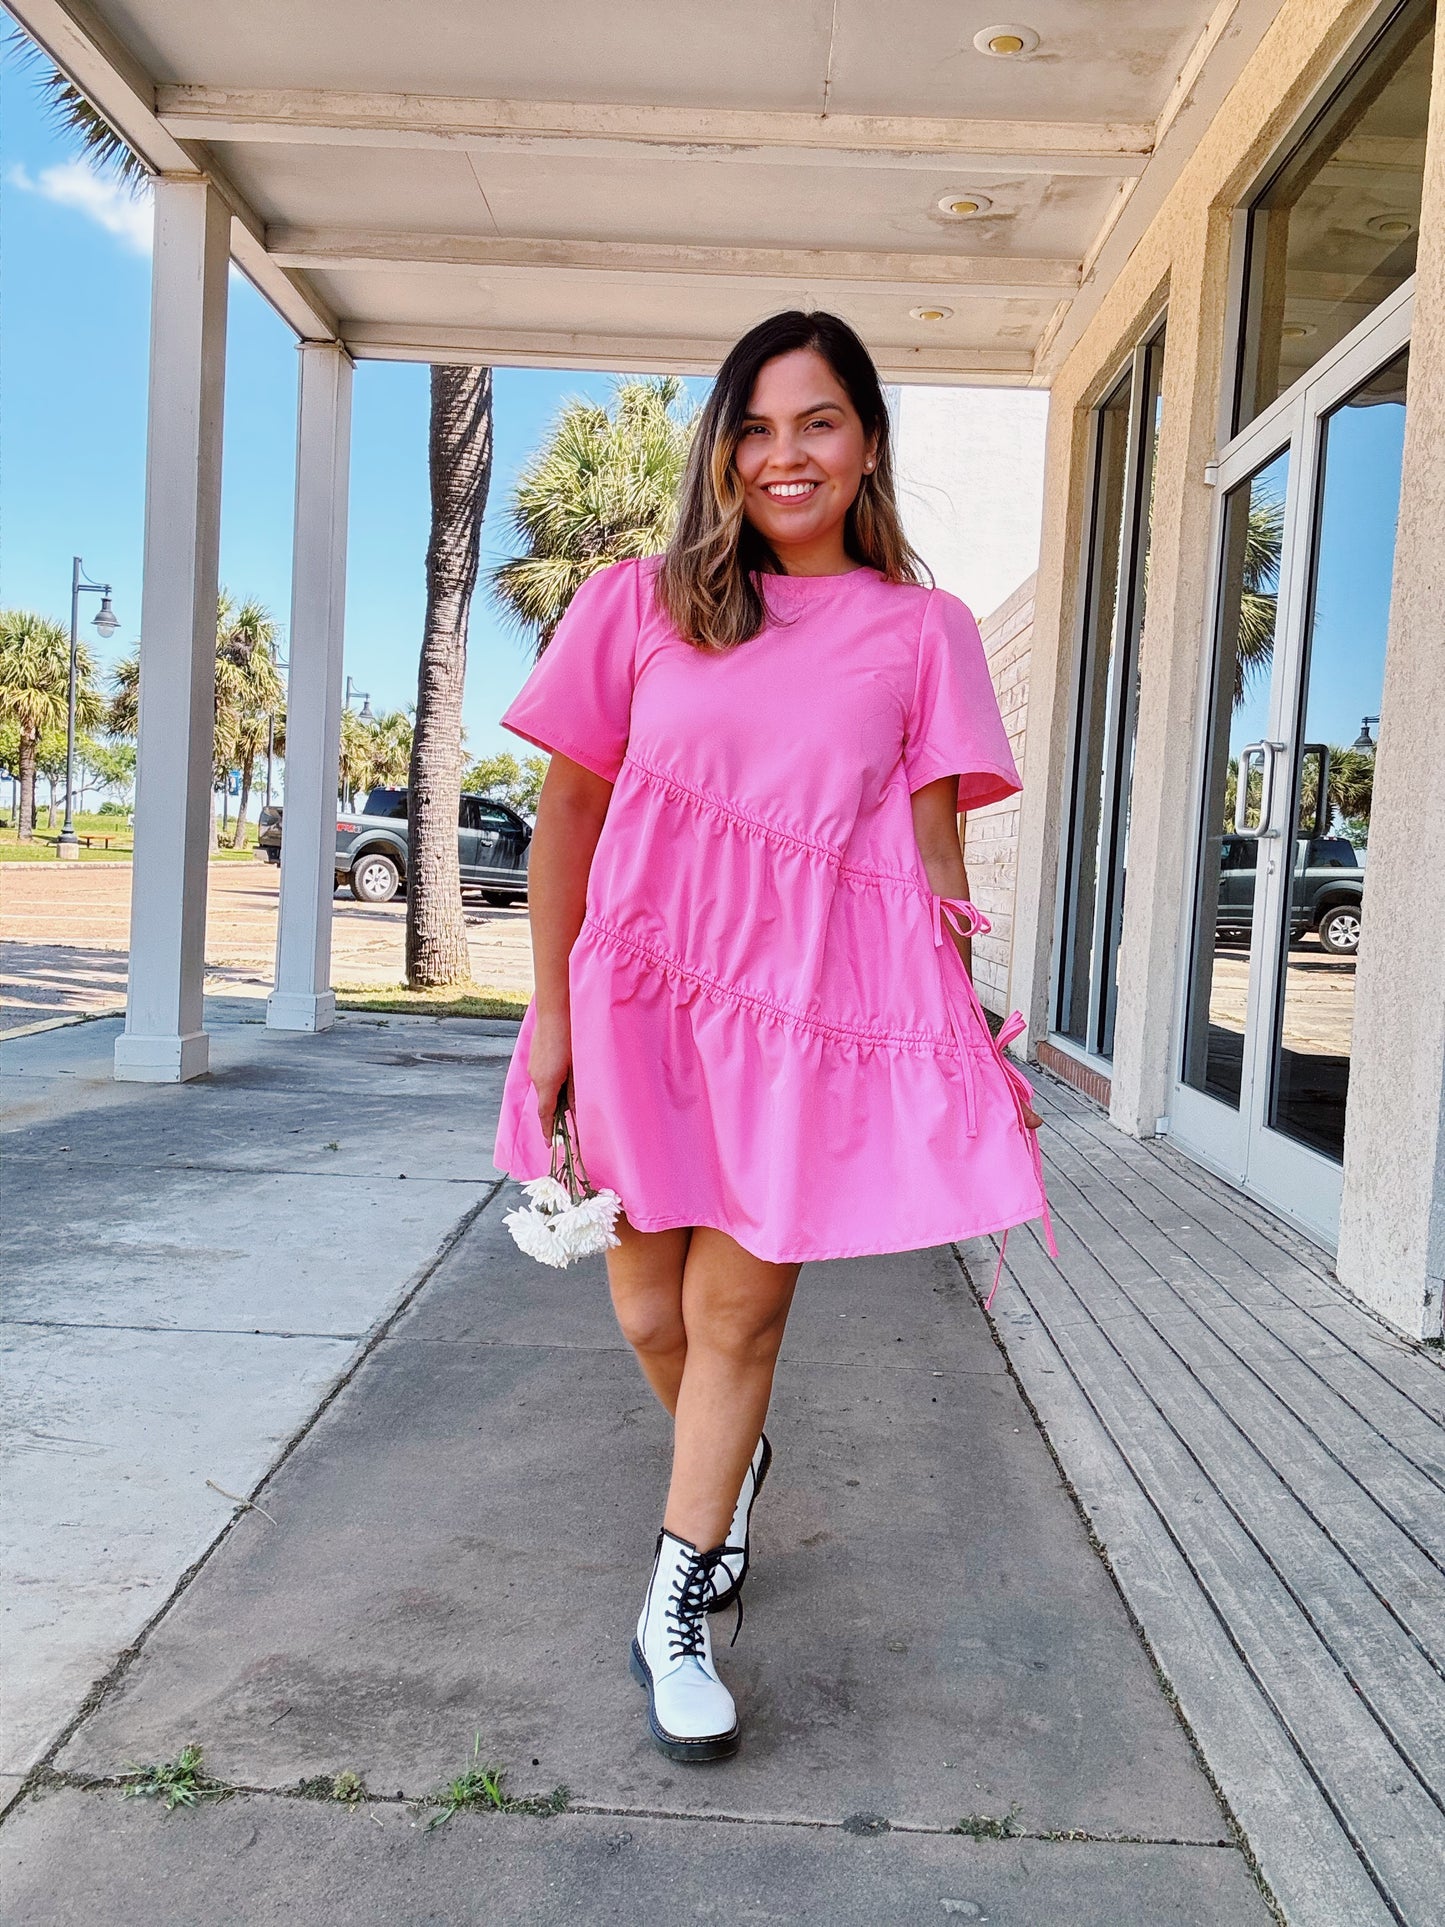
163,1041
303,998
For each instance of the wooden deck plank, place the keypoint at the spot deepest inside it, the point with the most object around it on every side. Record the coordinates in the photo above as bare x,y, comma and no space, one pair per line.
1282,1479
1380,1803
1405,1477
1378,1365
1304,1854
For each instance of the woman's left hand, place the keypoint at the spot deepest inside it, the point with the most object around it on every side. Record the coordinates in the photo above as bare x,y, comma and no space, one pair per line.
1031,1117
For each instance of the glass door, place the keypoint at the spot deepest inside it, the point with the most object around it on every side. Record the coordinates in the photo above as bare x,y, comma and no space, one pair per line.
1306,543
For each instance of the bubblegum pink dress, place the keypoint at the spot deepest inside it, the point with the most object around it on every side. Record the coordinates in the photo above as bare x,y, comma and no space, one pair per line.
768,1035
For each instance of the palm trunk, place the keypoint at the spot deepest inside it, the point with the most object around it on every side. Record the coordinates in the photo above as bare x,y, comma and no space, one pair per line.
460,456
248,764
26,814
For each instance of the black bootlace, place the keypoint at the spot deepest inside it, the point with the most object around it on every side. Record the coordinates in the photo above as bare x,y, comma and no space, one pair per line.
691,1591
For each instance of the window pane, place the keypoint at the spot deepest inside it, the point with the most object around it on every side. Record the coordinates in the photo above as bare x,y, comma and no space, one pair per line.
1349,614
1335,230
1224,901
1107,706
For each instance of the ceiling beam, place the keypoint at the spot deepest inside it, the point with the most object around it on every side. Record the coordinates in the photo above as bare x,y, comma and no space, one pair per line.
591,129
83,47
656,354
1001,276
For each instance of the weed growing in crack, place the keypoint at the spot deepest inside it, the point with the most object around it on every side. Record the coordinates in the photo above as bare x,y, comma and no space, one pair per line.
180,1783
983,1826
346,1786
483,1789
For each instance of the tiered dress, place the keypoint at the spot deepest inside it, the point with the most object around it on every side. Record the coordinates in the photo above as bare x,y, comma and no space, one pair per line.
772,1033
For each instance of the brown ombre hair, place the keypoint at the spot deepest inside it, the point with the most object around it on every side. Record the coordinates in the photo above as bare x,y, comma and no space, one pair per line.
708,582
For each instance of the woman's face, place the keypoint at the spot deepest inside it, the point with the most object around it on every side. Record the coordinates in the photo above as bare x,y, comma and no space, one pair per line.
802,454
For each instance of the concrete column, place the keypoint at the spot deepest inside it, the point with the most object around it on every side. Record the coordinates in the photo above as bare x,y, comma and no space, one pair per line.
303,998
1392,1214
163,1041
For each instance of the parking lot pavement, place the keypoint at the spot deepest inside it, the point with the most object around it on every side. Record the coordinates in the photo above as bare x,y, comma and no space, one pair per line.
65,930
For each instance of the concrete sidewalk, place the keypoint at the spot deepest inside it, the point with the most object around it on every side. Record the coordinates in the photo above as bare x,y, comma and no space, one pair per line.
932,1650
189,1271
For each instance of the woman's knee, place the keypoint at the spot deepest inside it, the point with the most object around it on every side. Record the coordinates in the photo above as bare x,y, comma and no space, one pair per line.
645,1275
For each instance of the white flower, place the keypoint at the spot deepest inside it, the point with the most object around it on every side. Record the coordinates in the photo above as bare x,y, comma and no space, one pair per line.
548,1194
557,1230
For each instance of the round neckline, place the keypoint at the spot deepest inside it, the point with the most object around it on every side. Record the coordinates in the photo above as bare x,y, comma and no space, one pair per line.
805,584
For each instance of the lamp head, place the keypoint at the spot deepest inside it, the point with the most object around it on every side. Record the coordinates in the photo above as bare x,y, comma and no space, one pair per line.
366,715
107,621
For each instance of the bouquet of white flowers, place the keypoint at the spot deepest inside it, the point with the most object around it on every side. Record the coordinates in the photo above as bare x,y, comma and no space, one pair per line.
567,1217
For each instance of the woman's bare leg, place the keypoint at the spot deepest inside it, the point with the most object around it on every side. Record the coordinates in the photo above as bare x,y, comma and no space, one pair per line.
645,1272
734,1309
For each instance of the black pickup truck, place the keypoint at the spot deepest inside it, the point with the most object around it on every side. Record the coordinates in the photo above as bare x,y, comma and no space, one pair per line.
493,845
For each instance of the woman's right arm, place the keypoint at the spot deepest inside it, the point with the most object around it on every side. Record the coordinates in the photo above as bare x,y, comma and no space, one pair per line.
570,813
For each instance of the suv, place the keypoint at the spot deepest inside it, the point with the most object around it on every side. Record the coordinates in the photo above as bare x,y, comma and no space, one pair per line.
1327,889
493,844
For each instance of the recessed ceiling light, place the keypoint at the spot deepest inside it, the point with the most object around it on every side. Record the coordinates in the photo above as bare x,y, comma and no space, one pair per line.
1393,227
960,206
930,314
1006,40
1297,330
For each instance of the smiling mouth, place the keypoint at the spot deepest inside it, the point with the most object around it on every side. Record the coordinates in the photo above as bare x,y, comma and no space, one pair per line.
790,491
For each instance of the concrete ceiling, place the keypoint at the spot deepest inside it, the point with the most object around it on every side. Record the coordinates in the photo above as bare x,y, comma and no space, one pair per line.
630,186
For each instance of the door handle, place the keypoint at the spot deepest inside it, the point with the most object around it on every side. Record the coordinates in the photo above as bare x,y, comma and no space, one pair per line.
1268,755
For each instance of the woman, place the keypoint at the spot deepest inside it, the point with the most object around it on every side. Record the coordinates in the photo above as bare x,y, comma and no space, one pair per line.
745,848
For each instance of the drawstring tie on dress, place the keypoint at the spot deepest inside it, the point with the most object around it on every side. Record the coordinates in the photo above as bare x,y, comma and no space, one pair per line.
967,920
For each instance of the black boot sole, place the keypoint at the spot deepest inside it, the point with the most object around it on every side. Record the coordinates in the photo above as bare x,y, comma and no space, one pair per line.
717,1746
725,1599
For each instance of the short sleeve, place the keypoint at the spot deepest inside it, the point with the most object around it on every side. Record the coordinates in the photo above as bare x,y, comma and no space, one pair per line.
578,700
954,727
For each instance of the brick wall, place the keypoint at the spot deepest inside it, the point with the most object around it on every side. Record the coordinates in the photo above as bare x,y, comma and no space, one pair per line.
991,834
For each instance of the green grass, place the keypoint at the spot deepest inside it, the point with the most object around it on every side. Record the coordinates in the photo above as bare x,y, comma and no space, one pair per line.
41,848
455,1000
180,1783
482,1789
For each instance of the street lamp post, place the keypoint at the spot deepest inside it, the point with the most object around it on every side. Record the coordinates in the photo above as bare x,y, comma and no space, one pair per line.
106,623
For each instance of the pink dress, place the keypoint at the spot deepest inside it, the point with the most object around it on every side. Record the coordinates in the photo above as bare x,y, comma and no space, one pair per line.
768,1035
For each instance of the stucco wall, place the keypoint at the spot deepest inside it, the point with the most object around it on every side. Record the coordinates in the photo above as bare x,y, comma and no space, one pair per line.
970,467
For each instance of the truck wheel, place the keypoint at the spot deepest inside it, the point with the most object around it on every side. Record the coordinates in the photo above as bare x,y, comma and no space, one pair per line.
374,878
1340,930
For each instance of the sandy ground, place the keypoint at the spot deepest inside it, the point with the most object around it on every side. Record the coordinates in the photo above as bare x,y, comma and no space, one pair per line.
65,931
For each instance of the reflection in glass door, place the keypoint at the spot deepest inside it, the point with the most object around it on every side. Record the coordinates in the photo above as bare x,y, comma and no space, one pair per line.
1239,769
1334,768
1307,537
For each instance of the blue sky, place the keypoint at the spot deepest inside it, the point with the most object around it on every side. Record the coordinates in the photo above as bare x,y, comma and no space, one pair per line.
75,289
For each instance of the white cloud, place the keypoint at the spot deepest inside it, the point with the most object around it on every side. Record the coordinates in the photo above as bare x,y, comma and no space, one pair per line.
103,200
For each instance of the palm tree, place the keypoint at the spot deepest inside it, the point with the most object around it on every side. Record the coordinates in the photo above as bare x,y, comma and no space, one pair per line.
1259,594
602,488
249,692
73,114
34,692
460,460
357,756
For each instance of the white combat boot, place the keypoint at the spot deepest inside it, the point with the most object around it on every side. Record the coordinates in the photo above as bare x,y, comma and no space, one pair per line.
690,1711
732,1568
